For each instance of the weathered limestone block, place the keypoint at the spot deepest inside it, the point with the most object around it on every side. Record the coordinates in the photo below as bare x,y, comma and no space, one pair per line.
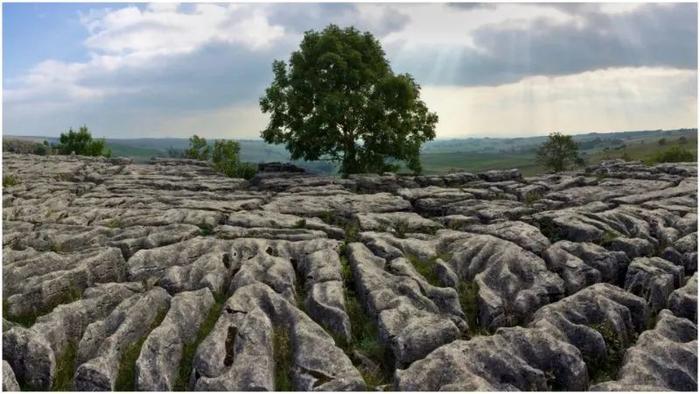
582,264
665,358
9,383
413,317
158,364
105,341
512,359
513,282
240,353
654,279
33,352
683,302
592,318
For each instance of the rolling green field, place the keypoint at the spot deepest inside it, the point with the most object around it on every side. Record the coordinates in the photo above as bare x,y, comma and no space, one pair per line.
445,155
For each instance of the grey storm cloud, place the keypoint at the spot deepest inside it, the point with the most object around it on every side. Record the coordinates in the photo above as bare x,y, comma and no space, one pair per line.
652,36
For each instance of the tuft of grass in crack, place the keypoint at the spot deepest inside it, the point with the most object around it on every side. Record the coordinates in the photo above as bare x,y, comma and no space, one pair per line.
301,223
188,352
206,229
364,335
65,368
426,268
127,365
469,300
532,197
283,359
10,180
601,370
401,227
608,237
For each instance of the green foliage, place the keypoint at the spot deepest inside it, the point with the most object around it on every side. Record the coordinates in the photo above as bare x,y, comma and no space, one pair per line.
198,149
426,268
401,227
339,99
283,359
606,369
226,160
301,223
675,154
532,197
81,143
469,300
190,348
65,367
9,180
559,153
608,237
662,141
206,229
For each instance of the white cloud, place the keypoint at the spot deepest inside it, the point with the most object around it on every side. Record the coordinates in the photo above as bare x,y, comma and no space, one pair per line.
604,100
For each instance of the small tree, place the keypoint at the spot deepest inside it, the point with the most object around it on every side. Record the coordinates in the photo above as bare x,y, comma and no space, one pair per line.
662,141
339,99
683,140
559,153
81,143
225,157
198,149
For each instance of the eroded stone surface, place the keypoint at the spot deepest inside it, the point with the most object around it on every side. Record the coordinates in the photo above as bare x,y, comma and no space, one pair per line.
103,254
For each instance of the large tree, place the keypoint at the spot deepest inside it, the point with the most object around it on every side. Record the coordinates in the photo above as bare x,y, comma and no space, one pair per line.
339,99
559,153
81,143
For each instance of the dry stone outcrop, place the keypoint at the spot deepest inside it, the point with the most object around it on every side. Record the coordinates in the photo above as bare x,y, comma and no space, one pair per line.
167,275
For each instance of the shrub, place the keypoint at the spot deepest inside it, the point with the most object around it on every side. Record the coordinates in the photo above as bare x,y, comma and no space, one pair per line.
82,143
674,154
198,149
226,160
9,181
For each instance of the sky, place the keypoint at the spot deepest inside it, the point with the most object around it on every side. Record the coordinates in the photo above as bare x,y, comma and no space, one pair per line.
498,70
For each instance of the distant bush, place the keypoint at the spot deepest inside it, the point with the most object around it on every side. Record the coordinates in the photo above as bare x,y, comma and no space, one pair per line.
559,153
81,143
662,141
682,140
225,157
198,149
674,154
176,153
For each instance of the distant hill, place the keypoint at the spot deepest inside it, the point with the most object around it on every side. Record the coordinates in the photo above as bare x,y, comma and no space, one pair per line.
441,155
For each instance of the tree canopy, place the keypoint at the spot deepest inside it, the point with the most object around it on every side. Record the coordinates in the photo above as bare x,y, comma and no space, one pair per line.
198,149
81,143
559,153
338,99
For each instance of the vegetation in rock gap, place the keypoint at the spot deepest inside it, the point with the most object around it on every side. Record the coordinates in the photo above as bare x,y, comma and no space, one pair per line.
65,368
188,352
426,268
283,359
10,180
606,369
338,99
469,300
126,378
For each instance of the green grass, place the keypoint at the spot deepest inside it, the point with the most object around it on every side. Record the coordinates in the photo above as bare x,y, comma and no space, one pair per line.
607,368
10,180
188,352
127,365
646,150
435,163
469,300
283,359
206,229
28,320
65,368
426,268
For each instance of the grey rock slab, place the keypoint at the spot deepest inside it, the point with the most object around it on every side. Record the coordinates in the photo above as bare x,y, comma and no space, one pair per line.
158,364
511,359
9,383
665,358
512,282
413,317
33,352
105,341
683,302
654,279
